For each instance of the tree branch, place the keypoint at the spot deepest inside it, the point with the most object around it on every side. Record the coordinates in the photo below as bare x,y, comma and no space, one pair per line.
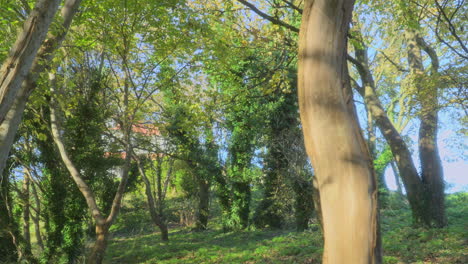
451,28
430,52
268,17
400,68
293,6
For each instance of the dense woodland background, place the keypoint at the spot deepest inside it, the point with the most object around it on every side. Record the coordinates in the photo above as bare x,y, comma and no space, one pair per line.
137,131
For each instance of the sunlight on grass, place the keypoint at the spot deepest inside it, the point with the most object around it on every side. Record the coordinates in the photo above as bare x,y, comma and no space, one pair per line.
402,243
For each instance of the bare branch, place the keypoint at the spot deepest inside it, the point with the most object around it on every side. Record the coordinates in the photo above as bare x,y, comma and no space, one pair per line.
268,17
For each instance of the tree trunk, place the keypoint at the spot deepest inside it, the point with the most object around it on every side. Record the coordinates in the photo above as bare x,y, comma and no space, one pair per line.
164,232
8,226
10,125
16,85
203,205
36,219
156,216
223,194
409,174
397,178
99,248
241,202
317,204
102,224
303,207
26,213
21,57
333,139
431,166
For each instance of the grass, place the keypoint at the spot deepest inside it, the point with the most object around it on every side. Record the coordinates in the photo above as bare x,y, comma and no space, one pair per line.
402,242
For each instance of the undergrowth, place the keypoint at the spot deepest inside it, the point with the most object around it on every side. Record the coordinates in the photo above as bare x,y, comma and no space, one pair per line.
135,240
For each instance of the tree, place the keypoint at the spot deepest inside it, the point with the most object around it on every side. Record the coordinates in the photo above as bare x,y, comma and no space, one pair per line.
156,202
18,85
23,53
102,223
333,139
425,191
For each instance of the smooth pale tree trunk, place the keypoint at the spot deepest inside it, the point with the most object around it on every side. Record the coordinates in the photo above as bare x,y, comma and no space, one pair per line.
17,87
431,166
397,178
102,223
333,139
317,204
10,125
16,67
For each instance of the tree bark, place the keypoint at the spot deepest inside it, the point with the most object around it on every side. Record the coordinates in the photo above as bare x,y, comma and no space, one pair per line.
10,120
99,248
21,57
203,204
8,226
397,178
26,212
317,203
155,214
409,174
431,167
333,139
36,219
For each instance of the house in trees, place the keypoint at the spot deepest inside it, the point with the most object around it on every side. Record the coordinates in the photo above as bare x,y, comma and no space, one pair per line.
146,139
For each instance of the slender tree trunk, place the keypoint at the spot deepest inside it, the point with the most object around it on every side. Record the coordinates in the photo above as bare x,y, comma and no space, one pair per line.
102,224
10,125
26,212
203,204
371,134
397,178
8,241
160,203
333,139
156,215
36,219
303,207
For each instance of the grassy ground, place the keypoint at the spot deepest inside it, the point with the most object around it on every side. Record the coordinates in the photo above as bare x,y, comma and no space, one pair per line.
135,242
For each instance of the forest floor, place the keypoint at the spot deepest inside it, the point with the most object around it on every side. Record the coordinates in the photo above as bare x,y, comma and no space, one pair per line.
136,241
